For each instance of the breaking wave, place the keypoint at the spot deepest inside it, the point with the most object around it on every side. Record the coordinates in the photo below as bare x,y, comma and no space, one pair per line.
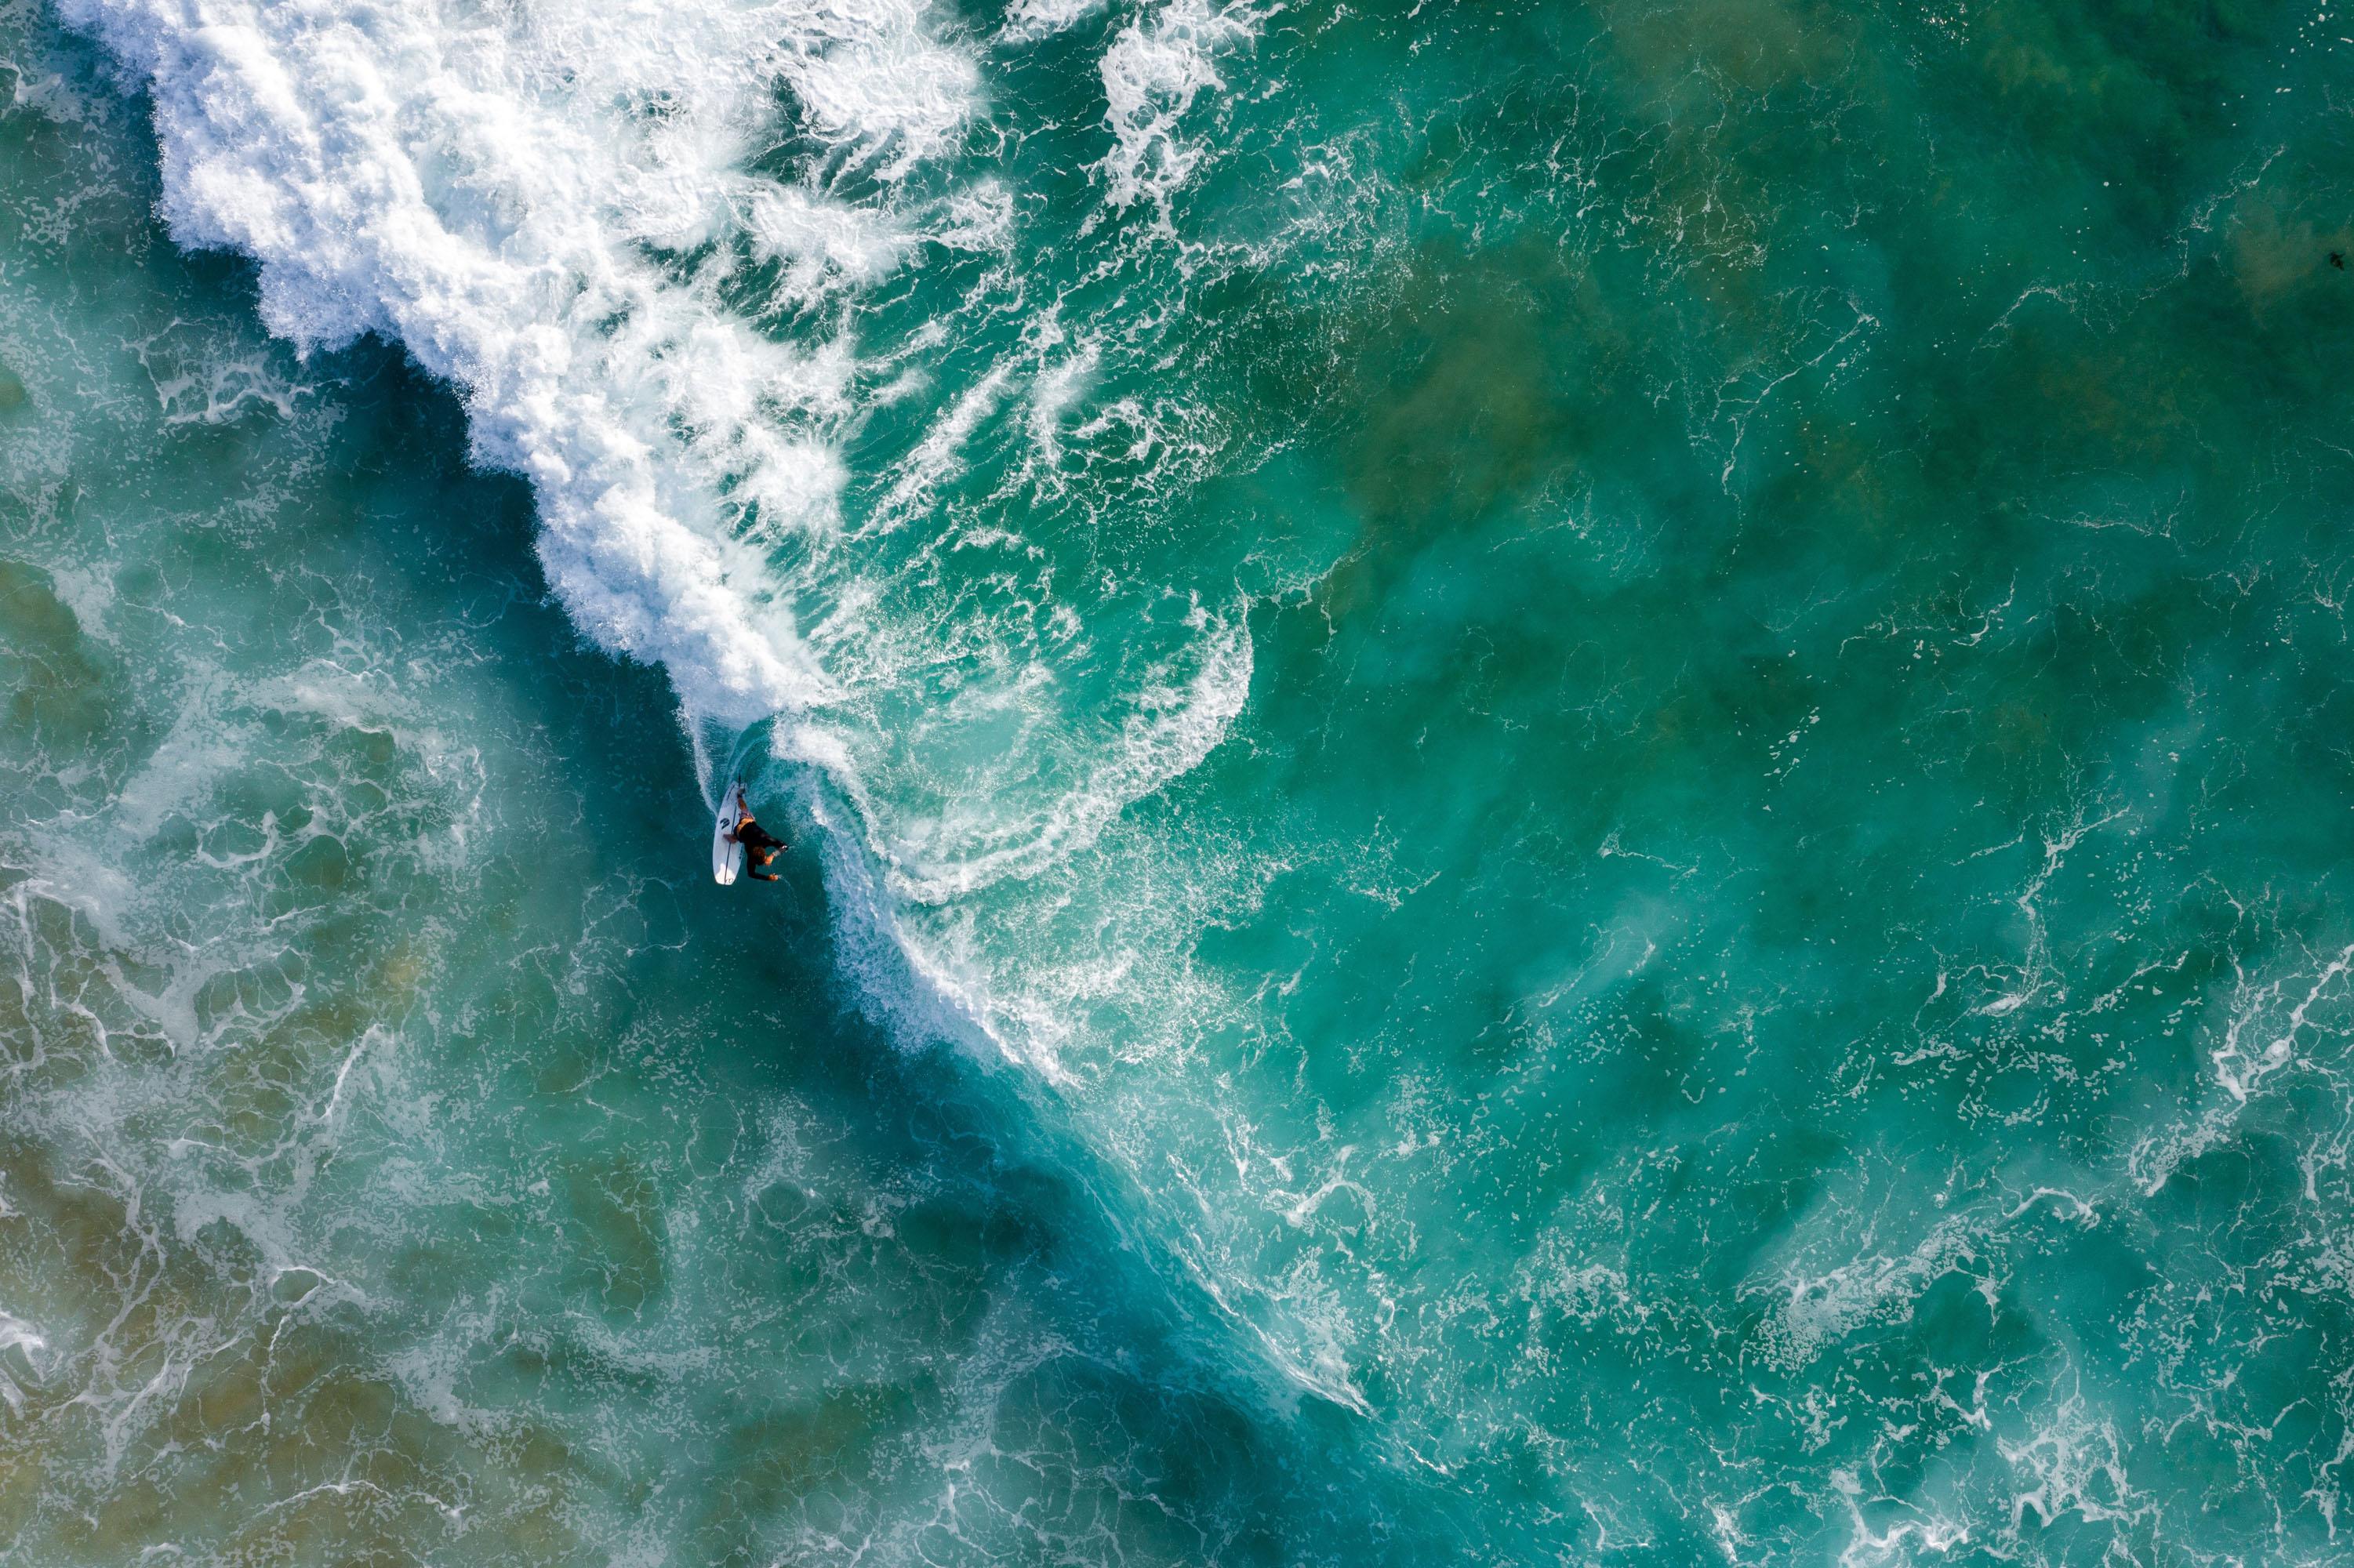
580,219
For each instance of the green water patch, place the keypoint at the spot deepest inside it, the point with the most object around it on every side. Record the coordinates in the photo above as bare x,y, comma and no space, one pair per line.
54,674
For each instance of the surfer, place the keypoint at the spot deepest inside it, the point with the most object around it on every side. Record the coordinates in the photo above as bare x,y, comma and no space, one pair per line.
761,846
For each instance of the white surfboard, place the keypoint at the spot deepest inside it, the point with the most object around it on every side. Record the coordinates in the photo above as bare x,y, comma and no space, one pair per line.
727,854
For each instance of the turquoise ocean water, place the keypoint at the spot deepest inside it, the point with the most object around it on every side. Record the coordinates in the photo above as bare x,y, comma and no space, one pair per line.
1570,783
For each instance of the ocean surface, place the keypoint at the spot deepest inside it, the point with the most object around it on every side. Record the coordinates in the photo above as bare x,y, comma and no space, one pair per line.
1570,783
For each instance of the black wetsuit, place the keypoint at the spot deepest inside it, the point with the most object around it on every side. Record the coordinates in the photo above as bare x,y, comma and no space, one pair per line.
754,838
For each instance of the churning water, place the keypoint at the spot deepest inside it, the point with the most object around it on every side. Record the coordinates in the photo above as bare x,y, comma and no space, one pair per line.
1571,783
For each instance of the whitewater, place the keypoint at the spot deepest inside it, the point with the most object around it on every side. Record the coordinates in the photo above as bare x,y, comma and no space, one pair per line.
487,190
1566,785
547,214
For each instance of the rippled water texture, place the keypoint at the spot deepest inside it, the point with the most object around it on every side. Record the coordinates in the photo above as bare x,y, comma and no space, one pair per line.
1569,783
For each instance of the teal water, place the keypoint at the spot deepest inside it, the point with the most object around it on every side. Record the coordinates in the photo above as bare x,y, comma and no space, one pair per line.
1568,787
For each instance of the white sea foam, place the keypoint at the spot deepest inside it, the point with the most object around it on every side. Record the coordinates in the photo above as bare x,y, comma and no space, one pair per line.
495,191
2279,1012
1151,75
1811,1311
1177,720
1055,392
480,187
939,456
1041,18
819,242
920,962
2076,1463
545,206
1817,1309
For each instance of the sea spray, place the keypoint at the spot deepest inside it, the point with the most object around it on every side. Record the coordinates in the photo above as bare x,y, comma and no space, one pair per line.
480,195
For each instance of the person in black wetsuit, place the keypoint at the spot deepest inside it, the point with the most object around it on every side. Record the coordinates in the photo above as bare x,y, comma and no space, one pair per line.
761,846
